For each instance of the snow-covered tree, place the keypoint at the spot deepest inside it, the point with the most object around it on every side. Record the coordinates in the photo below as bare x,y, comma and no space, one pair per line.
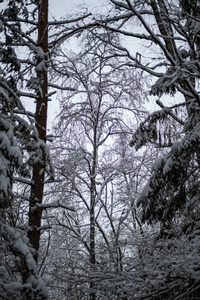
88,160
24,156
20,149
167,37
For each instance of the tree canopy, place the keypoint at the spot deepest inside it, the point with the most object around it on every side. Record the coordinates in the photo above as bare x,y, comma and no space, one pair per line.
113,212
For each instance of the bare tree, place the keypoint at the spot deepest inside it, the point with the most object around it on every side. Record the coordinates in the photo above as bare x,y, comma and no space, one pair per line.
92,116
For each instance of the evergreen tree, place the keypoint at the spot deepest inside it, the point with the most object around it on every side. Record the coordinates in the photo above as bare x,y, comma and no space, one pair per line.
20,148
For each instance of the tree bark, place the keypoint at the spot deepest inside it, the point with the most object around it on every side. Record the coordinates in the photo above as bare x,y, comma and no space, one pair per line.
37,188
92,216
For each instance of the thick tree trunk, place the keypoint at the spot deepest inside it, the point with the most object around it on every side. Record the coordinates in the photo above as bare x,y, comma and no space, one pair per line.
37,187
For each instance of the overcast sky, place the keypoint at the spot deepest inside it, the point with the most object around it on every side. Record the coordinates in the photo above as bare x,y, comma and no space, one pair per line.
59,8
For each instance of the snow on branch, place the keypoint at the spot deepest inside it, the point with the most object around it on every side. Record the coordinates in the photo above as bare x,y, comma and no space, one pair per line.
55,204
147,130
168,176
17,243
22,180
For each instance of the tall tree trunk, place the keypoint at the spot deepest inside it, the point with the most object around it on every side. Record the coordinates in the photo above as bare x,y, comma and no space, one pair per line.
92,209
92,220
37,187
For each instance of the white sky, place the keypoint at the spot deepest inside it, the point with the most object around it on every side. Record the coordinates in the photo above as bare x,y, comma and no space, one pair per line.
59,8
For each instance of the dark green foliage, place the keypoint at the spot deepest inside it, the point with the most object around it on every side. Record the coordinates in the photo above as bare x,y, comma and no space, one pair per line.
190,7
20,149
9,57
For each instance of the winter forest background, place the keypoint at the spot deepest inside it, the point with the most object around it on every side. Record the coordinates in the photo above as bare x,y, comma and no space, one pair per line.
106,203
